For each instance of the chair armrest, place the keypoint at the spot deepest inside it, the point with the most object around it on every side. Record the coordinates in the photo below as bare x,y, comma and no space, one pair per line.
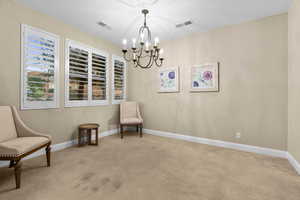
7,152
22,129
139,113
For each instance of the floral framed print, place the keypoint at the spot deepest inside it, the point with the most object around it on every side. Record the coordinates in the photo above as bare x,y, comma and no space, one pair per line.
205,78
169,80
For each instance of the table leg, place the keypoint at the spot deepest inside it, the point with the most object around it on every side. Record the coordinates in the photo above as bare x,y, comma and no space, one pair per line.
79,137
89,132
97,136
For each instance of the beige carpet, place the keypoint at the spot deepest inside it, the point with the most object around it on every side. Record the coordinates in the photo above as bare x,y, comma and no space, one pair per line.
152,168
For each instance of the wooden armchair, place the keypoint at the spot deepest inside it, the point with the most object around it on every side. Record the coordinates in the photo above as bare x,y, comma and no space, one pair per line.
130,116
18,141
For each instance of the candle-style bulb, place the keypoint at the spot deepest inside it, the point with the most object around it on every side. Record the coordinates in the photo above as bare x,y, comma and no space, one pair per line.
124,44
161,52
147,46
142,37
133,43
156,41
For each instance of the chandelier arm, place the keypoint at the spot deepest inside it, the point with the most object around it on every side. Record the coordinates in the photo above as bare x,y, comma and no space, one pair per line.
156,55
141,51
145,55
157,58
141,30
127,59
161,62
146,66
153,60
148,33
138,58
149,63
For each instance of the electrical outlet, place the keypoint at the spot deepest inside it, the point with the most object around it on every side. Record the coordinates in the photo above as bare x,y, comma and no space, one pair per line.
238,135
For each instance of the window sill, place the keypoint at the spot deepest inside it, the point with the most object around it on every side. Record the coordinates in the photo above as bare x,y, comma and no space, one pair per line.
86,104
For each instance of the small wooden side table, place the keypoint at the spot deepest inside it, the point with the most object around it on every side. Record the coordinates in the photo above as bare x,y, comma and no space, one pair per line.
86,130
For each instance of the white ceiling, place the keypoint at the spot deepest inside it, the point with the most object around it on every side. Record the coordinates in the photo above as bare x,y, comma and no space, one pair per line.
124,16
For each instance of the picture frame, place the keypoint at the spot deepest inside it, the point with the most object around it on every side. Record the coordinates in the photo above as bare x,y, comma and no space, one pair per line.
168,80
205,77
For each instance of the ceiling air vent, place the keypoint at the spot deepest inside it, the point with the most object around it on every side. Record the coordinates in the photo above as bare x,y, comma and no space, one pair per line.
104,25
187,23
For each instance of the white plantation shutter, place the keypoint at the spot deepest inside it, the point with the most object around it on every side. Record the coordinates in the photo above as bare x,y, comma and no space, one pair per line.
99,77
78,74
118,79
86,76
40,67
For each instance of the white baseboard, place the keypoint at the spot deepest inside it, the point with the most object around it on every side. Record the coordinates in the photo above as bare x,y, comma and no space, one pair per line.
231,145
60,146
219,143
293,162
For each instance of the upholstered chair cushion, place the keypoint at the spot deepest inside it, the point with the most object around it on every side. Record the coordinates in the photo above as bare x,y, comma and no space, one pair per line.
21,145
130,113
129,109
132,121
8,130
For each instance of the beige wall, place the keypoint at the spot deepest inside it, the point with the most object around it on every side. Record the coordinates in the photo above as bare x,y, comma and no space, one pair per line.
253,82
253,85
294,81
60,123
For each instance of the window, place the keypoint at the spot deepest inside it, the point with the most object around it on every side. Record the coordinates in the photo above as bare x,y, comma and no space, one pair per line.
86,76
99,77
118,79
40,68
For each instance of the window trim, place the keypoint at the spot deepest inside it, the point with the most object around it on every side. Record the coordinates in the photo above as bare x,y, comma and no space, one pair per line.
46,104
115,57
90,50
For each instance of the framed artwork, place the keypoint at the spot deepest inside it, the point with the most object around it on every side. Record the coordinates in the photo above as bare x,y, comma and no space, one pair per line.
205,78
168,80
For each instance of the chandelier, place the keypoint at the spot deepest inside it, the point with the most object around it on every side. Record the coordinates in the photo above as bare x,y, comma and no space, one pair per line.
143,53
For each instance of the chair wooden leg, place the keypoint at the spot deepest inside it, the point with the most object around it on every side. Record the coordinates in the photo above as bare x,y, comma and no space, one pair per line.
48,154
137,128
141,130
18,166
79,137
11,163
121,131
